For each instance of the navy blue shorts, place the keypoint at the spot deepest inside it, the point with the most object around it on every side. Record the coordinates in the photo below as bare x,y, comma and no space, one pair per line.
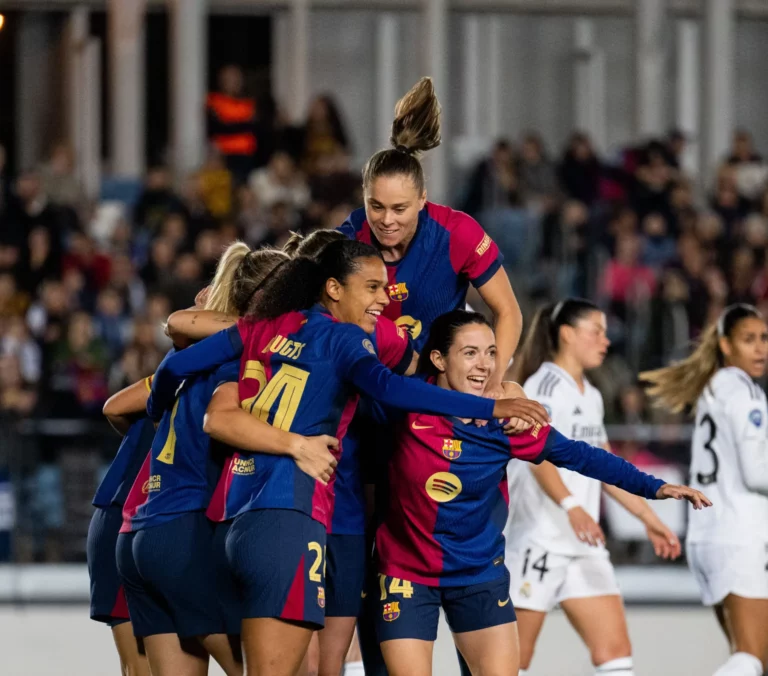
169,576
229,598
345,575
410,610
277,557
108,602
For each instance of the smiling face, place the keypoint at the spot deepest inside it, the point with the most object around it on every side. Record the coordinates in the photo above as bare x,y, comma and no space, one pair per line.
470,362
362,297
392,206
747,346
586,341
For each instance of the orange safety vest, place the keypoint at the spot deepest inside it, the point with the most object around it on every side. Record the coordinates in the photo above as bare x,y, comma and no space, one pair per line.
235,113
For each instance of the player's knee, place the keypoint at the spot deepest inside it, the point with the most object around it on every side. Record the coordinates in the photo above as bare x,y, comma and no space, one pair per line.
526,655
610,651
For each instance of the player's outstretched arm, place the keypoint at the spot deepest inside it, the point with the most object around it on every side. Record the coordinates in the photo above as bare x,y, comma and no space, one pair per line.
665,543
226,421
185,327
123,407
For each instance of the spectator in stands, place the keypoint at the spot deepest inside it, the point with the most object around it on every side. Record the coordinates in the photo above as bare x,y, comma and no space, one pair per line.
580,170
654,179
16,341
251,220
94,266
141,357
158,269
750,170
58,177
78,367
324,133
280,181
128,284
727,201
625,278
157,200
32,208
13,302
658,247
213,188
494,184
112,324
742,276
39,263
538,177
232,123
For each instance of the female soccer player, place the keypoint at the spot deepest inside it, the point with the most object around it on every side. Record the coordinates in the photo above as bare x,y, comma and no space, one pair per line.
108,603
165,550
433,254
299,372
555,550
442,543
727,548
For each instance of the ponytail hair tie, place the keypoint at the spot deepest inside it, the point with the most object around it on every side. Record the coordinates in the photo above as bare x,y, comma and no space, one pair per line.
402,149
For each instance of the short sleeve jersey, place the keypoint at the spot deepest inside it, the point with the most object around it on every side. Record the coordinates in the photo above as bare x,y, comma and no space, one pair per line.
579,416
449,251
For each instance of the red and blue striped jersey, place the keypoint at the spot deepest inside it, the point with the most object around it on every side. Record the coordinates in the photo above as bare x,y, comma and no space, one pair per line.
395,351
449,251
182,470
449,495
117,482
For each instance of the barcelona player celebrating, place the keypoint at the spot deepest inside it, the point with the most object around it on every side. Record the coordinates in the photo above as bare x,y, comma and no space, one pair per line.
165,553
442,542
432,254
301,367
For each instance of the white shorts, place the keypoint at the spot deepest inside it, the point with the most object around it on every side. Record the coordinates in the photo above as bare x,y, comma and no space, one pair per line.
722,569
539,580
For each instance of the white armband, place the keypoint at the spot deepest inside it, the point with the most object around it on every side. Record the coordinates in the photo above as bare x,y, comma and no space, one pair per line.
569,502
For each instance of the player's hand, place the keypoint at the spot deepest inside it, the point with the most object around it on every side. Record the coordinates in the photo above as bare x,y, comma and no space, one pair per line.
202,297
665,543
514,425
696,498
526,410
313,457
585,527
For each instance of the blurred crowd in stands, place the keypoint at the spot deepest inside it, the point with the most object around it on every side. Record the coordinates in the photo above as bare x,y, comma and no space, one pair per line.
85,287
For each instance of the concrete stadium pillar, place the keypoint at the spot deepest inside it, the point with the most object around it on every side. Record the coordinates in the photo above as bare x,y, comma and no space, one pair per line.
188,44
717,81
126,38
650,66
436,66
687,95
299,40
387,66
589,84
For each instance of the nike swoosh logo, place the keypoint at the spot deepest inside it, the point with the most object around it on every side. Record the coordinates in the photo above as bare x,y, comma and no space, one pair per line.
421,427
501,605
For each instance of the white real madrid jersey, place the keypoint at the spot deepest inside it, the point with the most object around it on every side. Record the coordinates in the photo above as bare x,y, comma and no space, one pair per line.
534,517
731,422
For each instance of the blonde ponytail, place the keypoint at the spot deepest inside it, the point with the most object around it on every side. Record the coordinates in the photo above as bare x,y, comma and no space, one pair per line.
220,297
679,386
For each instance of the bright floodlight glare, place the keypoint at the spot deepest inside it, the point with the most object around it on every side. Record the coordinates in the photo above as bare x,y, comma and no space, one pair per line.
2,21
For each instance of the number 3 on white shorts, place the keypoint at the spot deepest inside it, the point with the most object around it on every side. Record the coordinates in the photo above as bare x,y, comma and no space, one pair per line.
319,551
397,586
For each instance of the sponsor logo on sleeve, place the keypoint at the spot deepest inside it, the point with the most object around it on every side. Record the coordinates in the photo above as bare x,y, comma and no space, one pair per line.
756,417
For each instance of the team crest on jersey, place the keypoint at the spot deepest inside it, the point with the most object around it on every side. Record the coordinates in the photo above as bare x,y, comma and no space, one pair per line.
525,590
756,417
321,597
398,291
443,486
391,611
451,448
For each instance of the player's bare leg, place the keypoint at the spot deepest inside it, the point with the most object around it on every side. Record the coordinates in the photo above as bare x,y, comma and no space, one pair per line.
170,656
273,647
353,663
602,625
529,624
408,657
491,652
720,615
226,651
334,640
132,661
311,663
746,620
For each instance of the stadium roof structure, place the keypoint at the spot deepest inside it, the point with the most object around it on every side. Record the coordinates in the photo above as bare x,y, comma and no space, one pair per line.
744,8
